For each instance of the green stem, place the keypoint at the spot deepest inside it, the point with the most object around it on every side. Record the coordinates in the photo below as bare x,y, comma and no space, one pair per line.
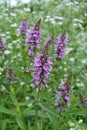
57,124
36,114
18,110
59,121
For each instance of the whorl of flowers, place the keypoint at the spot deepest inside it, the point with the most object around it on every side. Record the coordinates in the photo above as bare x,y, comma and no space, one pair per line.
10,74
47,44
63,95
33,38
42,67
2,45
48,41
60,46
24,27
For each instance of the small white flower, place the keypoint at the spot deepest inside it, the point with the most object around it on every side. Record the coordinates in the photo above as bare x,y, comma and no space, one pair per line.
33,85
75,25
1,69
65,69
78,80
26,9
69,4
85,14
53,22
71,59
46,20
7,32
3,87
72,129
48,17
7,52
64,63
3,35
72,124
77,20
8,37
14,25
13,14
60,23
0,17
19,55
22,83
76,2
6,15
10,46
29,105
80,84
60,67
27,97
59,18
80,121
83,61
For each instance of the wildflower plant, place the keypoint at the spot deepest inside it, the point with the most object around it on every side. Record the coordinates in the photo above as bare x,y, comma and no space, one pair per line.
42,65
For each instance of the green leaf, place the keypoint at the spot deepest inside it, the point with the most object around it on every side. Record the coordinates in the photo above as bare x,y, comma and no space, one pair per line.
78,111
51,113
28,112
20,122
4,124
49,109
8,111
31,128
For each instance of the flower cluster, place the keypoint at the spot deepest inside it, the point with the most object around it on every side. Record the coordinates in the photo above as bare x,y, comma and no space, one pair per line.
2,45
48,41
42,64
60,46
63,96
24,27
34,38
47,44
10,74
42,67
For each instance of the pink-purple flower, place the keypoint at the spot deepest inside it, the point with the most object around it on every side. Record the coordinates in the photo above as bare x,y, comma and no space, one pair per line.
2,44
24,27
60,46
10,74
33,38
63,95
42,67
48,41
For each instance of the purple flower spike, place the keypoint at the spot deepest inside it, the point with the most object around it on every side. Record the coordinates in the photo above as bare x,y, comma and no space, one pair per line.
33,38
24,27
60,46
58,95
48,41
10,74
60,105
63,95
2,45
42,67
